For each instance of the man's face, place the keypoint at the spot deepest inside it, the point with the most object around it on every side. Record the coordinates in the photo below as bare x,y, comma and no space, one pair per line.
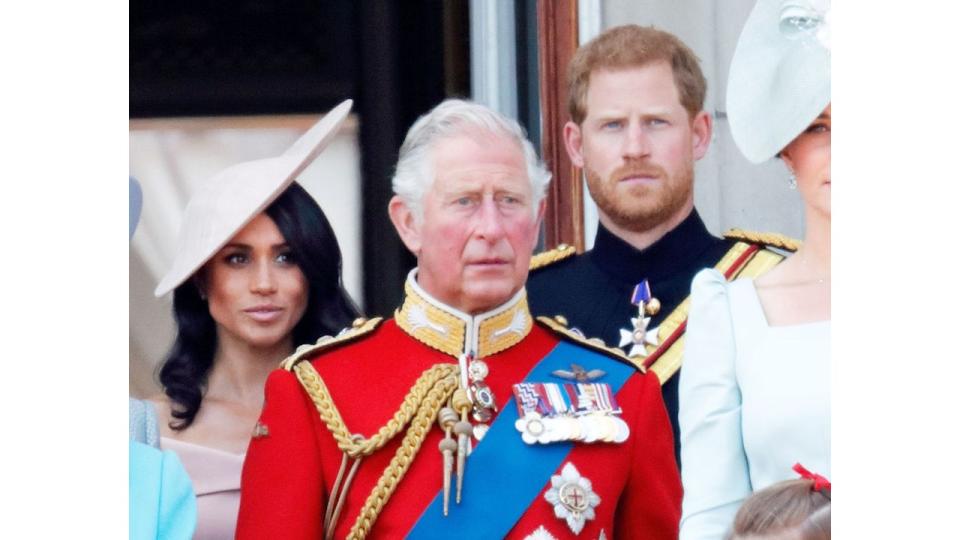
637,145
479,227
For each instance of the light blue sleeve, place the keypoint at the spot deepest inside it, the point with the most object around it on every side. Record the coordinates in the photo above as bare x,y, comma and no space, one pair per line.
714,467
162,503
177,516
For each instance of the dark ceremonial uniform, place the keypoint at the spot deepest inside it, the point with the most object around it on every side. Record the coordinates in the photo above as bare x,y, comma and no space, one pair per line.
592,291
355,384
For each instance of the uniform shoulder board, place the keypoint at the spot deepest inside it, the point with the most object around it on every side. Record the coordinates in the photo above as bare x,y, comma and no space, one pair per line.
360,327
774,240
546,258
558,325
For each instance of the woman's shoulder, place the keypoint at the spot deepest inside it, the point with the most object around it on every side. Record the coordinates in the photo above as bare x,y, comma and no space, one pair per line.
708,279
709,286
220,424
718,306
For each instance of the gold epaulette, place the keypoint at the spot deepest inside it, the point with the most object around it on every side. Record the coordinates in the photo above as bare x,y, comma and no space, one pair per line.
558,325
775,240
559,253
360,327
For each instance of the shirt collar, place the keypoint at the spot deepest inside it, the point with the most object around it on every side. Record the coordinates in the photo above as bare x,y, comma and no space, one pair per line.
685,243
454,332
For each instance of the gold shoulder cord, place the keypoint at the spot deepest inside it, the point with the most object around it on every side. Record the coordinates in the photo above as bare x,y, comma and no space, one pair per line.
549,257
419,409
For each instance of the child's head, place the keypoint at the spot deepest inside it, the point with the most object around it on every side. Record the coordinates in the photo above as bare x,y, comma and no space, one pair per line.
789,510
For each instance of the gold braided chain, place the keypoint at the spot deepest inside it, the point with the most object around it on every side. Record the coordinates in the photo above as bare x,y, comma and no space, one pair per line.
436,397
358,446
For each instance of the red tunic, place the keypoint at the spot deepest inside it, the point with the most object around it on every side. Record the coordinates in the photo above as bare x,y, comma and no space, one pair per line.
288,474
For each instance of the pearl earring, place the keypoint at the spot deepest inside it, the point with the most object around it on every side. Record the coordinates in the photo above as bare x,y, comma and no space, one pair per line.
792,180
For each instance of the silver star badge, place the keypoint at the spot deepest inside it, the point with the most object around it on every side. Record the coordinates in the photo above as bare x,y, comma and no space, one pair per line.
572,498
639,337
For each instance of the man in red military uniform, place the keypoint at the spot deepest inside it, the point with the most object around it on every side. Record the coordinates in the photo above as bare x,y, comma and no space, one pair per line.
462,416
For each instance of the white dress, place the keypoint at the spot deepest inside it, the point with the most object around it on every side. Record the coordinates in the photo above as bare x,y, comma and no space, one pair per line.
754,400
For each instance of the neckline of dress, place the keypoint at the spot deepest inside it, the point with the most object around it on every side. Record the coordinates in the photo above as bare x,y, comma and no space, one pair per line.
165,442
763,314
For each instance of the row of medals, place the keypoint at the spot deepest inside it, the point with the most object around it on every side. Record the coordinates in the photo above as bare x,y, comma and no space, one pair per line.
587,428
553,419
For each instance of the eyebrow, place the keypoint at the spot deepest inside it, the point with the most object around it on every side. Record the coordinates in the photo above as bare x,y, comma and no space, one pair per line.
650,113
239,245
610,116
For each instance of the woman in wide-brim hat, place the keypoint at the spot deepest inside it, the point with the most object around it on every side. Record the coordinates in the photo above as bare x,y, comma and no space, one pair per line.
257,272
755,385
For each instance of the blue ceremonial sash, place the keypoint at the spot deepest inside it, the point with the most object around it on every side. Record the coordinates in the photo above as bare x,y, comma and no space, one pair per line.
503,474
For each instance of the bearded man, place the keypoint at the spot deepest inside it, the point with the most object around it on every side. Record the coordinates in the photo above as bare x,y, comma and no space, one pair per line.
462,416
636,102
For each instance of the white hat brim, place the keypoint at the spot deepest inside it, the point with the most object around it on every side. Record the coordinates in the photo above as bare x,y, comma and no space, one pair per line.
226,203
778,84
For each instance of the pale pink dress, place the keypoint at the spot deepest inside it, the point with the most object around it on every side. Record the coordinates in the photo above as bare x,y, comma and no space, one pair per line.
216,481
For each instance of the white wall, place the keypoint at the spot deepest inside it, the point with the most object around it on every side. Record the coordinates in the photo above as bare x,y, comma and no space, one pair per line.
170,157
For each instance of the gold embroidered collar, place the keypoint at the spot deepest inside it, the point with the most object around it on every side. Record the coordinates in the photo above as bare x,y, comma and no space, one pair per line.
454,332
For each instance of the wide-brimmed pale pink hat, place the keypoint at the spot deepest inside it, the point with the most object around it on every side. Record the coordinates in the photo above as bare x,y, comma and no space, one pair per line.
226,203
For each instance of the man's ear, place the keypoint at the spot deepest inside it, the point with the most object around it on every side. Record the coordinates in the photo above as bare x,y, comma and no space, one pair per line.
702,129
403,220
573,141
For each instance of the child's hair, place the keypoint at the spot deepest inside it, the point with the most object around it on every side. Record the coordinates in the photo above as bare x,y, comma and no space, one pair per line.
791,506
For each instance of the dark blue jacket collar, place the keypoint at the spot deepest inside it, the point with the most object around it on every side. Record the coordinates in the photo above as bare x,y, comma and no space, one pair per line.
678,248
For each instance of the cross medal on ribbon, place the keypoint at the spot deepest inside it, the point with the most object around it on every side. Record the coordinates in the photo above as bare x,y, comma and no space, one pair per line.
639,337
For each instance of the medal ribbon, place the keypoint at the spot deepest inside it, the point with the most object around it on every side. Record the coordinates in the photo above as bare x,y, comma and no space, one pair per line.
504,475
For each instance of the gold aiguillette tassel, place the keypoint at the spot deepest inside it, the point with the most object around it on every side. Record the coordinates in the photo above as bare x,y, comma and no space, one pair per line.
464,430
447,419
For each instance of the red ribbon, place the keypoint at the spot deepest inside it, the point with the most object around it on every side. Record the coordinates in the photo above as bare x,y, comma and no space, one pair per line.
819,481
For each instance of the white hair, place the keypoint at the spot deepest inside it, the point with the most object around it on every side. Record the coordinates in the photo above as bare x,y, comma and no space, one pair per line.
414,173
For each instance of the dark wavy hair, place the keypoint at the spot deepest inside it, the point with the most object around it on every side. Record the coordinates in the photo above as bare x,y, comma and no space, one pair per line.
313,244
